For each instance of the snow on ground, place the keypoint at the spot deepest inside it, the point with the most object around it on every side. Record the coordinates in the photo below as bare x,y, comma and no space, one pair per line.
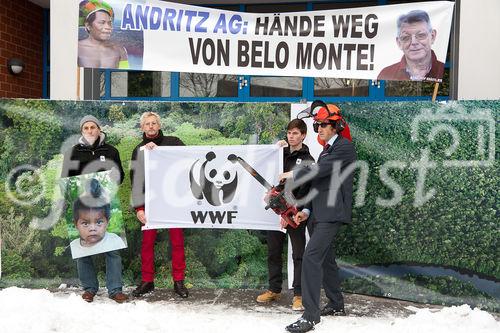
28,310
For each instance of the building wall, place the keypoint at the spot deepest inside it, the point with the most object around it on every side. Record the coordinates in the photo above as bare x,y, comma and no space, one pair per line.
479,49
21,31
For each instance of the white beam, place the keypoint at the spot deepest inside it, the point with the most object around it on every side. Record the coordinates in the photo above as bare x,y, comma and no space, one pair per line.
479,47
63,49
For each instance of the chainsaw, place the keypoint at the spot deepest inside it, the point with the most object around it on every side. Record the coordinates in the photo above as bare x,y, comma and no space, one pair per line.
276,197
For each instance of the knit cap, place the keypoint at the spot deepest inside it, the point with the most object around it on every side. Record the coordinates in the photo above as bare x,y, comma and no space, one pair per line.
89,118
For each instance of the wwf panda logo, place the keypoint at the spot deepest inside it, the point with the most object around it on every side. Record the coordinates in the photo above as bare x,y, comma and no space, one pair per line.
215,179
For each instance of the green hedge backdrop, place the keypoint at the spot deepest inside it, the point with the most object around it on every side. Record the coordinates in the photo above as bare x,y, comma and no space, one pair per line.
443,249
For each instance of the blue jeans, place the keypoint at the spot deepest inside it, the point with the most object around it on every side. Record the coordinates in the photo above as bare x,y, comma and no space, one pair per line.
88,276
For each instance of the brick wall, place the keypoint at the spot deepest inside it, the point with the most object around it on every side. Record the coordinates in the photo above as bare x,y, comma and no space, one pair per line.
21,29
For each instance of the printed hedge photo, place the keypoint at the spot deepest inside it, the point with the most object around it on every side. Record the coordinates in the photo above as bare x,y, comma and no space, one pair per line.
425,221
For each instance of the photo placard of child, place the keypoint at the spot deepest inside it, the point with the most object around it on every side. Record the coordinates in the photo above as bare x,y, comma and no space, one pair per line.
94,216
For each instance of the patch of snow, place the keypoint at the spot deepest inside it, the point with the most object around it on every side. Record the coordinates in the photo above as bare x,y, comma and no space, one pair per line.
28,310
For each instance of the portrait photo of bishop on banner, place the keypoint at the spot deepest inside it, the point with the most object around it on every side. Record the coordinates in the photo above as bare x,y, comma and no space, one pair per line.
211,186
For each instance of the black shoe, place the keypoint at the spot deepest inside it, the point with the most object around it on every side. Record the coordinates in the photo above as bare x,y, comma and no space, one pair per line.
143,288
180,289
330,311
302,325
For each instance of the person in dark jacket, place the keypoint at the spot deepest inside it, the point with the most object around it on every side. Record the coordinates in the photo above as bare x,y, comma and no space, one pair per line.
330,207
295,154
93,154
151,138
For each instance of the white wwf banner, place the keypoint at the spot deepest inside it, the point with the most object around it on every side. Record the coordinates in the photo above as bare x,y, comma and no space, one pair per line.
354,43
207,187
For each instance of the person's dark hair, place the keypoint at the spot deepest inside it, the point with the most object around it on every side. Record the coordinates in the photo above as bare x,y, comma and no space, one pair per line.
413,17
91,18
299,124
92,200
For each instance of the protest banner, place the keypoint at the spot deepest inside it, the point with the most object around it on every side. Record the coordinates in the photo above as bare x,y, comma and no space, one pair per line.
358,43
206,187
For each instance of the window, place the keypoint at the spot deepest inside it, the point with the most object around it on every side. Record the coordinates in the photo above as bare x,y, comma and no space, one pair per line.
207,85
277,8
265,86
140,84
341,5
324,87
46,54
411,88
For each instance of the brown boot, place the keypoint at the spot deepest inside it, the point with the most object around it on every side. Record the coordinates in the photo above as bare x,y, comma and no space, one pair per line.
297,303
268,296
119,297
88,296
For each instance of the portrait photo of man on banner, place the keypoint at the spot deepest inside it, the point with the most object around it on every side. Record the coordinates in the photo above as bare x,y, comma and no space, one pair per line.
101,42
415,38
93,214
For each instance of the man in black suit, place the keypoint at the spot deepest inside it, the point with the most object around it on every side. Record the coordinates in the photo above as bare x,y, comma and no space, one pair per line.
330,207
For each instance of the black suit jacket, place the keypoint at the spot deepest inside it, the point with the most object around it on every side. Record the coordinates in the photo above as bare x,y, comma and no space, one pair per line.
332,186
